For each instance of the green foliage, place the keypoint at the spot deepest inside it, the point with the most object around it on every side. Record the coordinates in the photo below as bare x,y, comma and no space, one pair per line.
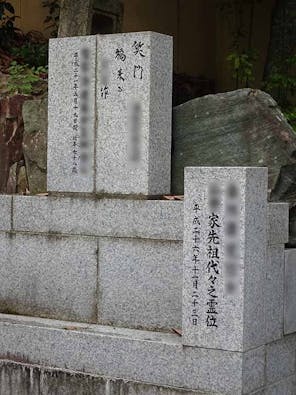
23,79
242,65
281,81
7,29
290,114
53,17
239,16
32,54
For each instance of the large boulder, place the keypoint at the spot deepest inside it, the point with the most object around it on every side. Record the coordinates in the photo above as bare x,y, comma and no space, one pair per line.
240,128
35,143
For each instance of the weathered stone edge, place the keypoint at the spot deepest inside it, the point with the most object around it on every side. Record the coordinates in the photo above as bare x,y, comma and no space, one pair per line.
36,214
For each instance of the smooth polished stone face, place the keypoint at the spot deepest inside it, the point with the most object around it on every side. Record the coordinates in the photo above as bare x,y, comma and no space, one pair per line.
71,114
134,102
224,257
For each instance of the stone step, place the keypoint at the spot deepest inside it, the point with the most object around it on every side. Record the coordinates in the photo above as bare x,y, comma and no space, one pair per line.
136,355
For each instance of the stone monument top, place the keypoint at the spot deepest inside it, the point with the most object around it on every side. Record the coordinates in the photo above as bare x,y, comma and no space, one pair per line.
110,102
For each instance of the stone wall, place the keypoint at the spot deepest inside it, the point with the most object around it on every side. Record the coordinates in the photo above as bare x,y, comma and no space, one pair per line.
105,278
107,266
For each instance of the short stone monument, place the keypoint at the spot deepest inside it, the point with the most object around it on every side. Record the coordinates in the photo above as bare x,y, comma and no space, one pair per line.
224,257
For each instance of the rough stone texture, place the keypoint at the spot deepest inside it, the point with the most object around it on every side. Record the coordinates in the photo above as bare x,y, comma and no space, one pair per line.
134,99
278,223
75,18
12,179
5,212
239,128
156,358
11,135
22,181
274,293
155,219
35,143
71,150
24,379
112,9
290,291
253,369
240,311
285,190
17,180
48,276
140,283
280,359
283,387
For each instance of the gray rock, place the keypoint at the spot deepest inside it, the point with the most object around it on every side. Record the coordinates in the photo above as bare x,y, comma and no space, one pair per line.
22,180
35,143
75,18
17,180
11,135
239,128
12,179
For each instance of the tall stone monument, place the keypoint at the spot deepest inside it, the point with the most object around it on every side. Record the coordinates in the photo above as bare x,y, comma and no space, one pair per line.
110,100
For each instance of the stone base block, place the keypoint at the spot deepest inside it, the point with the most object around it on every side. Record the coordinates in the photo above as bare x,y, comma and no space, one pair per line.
133,355
48,276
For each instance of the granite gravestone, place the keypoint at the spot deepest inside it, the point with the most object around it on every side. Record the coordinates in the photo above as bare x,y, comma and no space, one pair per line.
71,114
224,257
110,114
134,99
